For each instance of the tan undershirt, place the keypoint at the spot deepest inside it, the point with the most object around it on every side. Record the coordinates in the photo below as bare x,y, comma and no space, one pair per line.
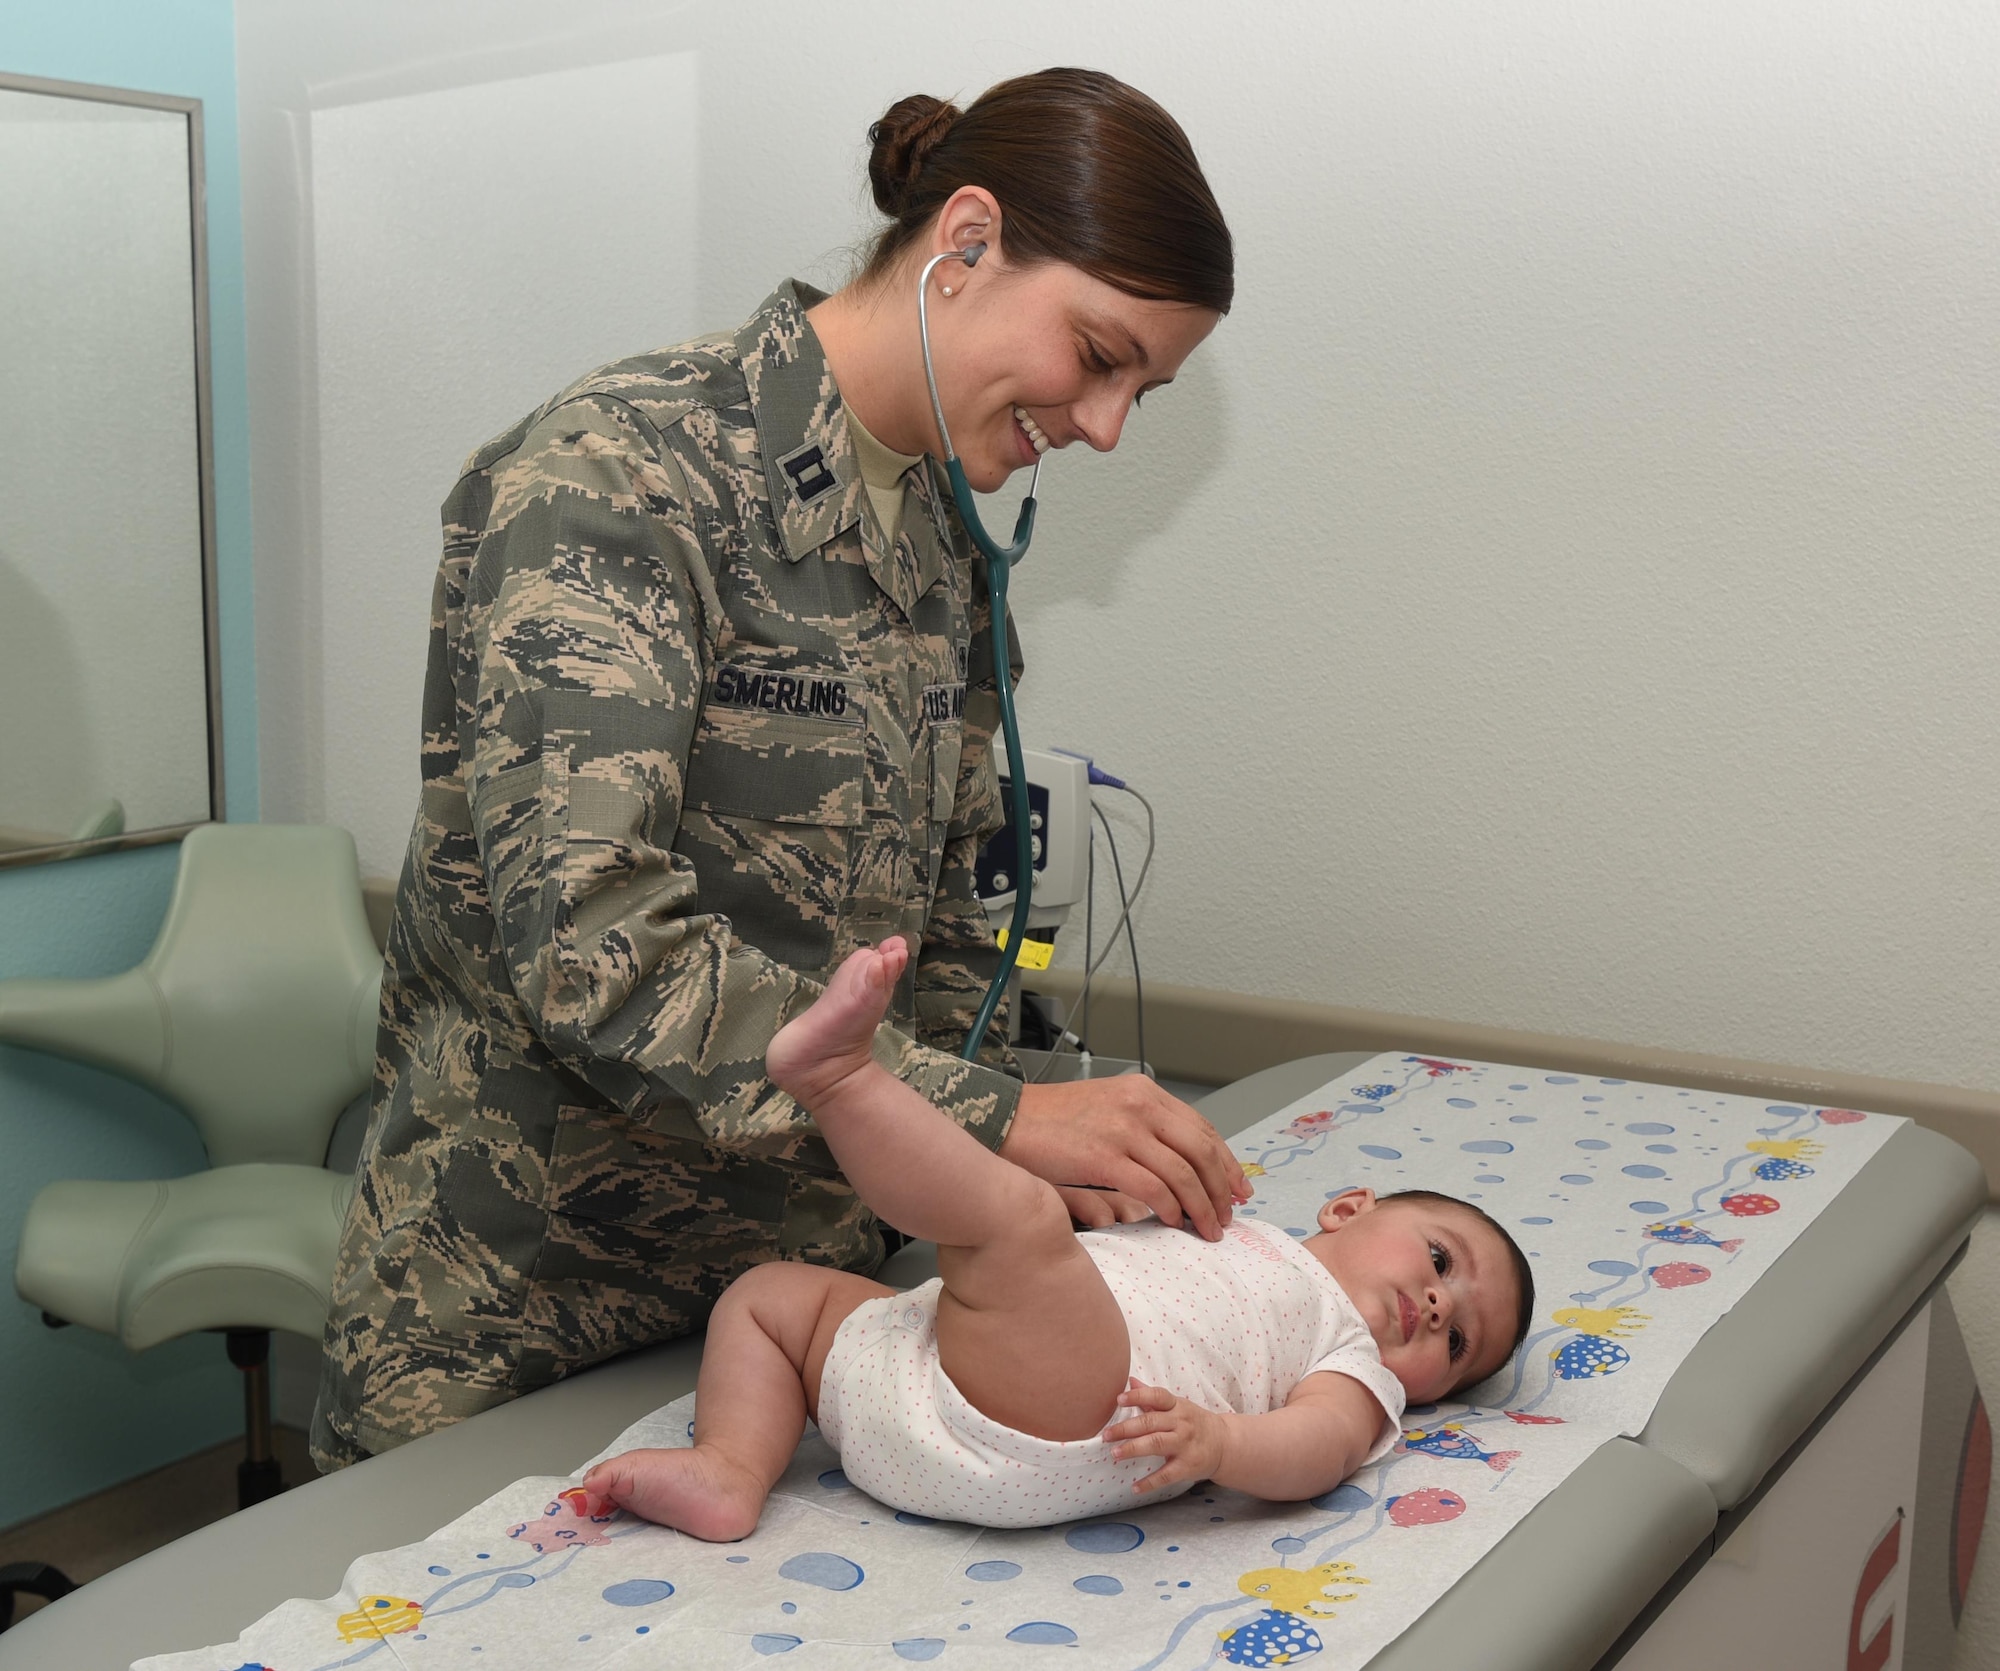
882,472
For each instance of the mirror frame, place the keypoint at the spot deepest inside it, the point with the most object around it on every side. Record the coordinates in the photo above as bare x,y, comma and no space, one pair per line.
190,111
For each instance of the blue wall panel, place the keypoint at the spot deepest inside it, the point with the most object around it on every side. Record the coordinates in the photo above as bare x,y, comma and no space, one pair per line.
77,1412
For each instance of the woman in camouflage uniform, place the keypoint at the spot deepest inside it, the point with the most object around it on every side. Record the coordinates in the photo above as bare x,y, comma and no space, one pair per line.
709,703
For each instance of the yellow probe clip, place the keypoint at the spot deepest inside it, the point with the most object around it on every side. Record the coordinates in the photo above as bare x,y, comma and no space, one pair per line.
1035,954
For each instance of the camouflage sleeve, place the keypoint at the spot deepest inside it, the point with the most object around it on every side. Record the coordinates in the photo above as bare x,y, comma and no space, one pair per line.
958,957
586,646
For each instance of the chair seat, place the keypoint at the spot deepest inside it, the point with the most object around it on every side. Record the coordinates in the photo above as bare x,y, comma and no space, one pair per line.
239,1247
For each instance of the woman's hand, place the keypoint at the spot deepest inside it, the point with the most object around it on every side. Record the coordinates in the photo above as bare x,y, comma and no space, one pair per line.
1126,1135
1189,1438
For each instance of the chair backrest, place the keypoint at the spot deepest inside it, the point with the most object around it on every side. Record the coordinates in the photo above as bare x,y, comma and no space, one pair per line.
255,1010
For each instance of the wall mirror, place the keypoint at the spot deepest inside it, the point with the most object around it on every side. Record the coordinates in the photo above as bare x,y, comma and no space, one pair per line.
109,687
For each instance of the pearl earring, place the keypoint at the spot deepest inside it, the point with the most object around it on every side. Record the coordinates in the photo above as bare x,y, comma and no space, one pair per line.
947,290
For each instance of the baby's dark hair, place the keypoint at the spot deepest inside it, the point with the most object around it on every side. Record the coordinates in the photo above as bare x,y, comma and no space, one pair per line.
1524,1277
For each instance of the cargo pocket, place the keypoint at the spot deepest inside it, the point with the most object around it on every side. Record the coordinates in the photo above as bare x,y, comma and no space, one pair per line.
771,821
645,1230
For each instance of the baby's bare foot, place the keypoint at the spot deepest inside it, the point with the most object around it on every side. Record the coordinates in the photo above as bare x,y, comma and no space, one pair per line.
695,1491
815,1051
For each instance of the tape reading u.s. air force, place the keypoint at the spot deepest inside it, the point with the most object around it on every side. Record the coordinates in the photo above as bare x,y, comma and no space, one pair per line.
808,695
943,703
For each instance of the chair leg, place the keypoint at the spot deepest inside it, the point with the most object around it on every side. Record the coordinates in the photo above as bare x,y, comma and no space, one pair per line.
257,1476
37,1578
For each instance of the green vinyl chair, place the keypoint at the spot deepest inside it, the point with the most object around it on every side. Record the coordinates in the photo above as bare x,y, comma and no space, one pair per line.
255,1013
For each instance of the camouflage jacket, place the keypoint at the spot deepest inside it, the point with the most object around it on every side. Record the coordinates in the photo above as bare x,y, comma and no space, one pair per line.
692,732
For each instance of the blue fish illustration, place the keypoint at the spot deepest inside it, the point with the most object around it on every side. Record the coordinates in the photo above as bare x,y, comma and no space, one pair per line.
1453,1441
1374,1093
1589,1355
1272,1638
1776,1171
1685,1234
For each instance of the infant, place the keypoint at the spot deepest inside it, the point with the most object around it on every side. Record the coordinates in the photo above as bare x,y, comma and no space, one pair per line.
1049,1375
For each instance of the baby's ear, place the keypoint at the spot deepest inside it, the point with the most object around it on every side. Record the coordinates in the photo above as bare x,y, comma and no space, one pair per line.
1345,1207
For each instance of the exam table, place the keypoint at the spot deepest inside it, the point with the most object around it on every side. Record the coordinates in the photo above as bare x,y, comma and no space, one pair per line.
1835,1401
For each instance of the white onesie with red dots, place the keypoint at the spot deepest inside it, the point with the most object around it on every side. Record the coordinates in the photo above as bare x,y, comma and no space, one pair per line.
1232,1326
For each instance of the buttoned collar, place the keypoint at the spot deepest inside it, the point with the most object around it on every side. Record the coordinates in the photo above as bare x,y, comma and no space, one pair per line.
815,480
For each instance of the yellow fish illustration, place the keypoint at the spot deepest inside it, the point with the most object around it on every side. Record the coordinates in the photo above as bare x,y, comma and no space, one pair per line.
1304,1593
1616,1322
1793,1148
379,1616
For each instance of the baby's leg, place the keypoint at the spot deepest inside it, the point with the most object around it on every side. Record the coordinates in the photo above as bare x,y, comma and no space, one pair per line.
760,1367
1027,1329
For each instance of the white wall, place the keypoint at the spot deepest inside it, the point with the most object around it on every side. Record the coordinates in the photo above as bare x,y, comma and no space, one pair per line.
453,242
1559,596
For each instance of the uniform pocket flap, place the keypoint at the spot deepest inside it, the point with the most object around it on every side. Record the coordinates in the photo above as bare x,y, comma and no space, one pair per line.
791,748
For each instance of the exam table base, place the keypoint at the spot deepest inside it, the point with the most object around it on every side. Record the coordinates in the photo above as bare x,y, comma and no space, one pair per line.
1860,1552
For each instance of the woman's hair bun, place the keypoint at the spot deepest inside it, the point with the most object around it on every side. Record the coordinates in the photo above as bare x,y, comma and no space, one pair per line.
908,133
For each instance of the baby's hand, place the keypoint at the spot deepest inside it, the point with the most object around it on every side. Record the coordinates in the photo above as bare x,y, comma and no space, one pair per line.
1187,1436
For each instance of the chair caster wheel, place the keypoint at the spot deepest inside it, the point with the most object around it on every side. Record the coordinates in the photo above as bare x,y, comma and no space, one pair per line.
36,1578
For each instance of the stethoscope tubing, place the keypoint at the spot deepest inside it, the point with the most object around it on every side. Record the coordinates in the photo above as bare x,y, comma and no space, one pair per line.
1000,560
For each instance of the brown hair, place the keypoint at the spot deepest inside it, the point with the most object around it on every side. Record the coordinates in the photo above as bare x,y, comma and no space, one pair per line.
1524,1276
1087,171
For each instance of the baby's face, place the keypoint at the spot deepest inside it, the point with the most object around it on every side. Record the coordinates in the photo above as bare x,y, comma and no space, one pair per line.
1432,1282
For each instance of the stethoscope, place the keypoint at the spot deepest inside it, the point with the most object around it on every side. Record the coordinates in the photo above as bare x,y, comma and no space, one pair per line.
999,561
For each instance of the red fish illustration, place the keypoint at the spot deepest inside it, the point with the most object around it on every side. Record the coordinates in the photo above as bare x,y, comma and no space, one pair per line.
1436,1068
1749,1206
1680,1274
1431,1506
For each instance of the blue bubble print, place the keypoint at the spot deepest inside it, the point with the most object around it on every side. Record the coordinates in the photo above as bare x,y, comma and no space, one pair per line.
1104,1537
992,1572
1043,1631
636,1592
824,1571
1102,1584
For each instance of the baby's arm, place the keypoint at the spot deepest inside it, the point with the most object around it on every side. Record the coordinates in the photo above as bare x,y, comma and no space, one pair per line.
1325,1431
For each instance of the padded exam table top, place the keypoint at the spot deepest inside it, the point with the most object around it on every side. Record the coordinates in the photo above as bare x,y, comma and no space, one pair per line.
1556,1592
